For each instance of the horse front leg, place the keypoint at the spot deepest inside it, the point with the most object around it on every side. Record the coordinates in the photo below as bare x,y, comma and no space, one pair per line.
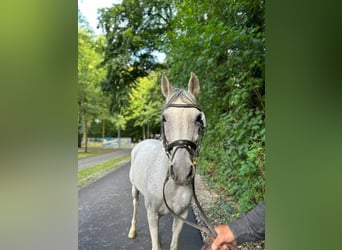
176,230
153,224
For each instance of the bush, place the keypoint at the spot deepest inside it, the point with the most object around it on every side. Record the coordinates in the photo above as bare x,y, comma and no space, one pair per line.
233,155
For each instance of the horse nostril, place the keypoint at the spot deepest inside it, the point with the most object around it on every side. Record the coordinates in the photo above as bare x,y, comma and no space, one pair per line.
191,173
172,173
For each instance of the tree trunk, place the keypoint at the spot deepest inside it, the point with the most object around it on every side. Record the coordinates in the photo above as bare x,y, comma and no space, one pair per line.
103,128
85,136
148,131
119,137
79,140
79,133
144,132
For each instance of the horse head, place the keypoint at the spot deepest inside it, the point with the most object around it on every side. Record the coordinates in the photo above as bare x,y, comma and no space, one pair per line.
183,125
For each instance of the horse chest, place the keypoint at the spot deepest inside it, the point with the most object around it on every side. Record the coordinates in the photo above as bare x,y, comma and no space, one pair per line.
177,198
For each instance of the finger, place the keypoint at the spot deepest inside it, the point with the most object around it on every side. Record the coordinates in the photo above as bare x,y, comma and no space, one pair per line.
214,246
224,247
217,245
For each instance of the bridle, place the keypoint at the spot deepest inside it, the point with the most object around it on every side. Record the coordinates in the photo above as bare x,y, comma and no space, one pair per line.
193,149
190,146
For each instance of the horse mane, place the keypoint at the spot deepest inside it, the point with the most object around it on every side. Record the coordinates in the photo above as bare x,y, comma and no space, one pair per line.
185,96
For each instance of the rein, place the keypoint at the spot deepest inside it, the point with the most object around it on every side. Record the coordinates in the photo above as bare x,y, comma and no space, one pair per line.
210,230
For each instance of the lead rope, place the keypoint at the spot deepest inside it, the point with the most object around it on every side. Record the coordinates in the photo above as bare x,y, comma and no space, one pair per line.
203,215
209,229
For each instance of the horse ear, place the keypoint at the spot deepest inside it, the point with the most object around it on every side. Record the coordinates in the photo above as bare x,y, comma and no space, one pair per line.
194,86
165,86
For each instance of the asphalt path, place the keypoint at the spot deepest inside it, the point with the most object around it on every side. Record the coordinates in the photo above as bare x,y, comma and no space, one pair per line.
105,212
97,159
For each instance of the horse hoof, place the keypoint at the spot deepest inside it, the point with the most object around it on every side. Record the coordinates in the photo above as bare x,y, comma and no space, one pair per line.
131,235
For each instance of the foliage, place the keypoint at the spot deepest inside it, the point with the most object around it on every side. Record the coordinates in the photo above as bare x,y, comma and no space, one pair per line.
133,31
238,167
96,129
224,44
89,94
145,103
92,103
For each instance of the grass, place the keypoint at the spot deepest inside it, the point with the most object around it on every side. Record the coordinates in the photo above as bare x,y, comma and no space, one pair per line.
81,155
89,175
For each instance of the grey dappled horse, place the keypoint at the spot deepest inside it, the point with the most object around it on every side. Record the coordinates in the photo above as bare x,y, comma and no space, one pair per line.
152,160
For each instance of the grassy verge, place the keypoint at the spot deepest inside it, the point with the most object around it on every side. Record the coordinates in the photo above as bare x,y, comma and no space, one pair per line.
81,155
92,174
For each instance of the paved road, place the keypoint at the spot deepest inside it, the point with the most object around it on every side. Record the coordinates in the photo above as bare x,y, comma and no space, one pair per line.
97,159
104,215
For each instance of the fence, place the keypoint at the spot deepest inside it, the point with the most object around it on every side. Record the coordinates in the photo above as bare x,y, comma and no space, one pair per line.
110,142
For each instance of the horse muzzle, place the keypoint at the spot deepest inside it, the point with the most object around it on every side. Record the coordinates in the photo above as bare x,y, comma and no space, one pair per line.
181,165
182,179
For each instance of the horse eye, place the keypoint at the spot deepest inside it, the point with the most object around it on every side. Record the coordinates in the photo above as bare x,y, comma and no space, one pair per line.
163,118
199,119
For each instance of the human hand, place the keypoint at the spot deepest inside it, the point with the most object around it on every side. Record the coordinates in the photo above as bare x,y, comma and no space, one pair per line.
224,235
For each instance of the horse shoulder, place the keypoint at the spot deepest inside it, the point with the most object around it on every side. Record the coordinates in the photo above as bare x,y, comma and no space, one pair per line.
146,167
146,149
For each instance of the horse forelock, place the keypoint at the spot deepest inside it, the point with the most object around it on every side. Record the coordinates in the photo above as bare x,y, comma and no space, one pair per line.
182,95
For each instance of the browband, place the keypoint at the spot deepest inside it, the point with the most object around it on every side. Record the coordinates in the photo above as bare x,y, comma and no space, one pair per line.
182,106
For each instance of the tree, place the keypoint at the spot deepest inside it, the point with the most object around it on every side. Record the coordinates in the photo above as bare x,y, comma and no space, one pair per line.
145,102
224,43
91,101
134,31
